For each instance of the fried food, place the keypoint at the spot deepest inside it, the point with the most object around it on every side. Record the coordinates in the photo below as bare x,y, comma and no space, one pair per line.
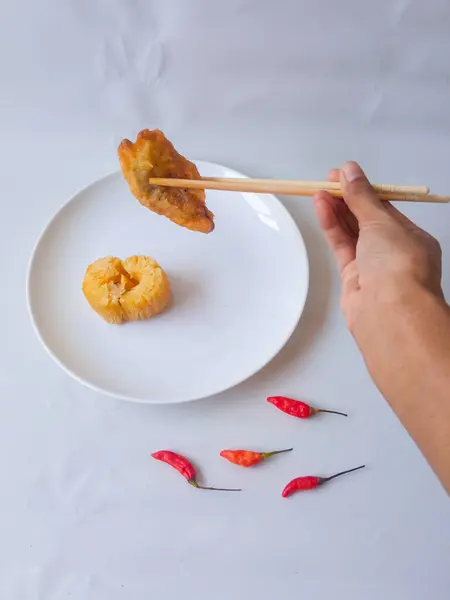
153,155
130,290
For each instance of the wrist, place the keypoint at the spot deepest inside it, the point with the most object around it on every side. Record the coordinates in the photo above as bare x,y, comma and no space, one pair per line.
402,332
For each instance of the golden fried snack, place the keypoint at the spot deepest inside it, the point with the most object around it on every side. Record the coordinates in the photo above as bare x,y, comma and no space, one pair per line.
154,156
129,290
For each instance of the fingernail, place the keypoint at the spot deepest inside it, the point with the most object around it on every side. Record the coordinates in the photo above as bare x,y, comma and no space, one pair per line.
352,171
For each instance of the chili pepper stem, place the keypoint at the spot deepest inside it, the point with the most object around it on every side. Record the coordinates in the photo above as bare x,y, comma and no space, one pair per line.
332,412
201,487
325,479
269,454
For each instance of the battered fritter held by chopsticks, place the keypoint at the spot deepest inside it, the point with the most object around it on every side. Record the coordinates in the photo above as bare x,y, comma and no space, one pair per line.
153,155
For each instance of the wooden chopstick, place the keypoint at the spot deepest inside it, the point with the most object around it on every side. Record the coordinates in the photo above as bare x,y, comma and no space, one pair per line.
325,185
297,188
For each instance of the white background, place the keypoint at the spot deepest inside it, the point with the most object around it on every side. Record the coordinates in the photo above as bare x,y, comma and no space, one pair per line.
274,89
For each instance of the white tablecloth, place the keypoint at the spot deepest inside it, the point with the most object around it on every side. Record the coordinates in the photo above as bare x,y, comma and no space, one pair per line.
274,89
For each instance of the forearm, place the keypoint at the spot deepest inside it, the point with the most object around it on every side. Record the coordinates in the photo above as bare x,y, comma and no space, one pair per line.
406,345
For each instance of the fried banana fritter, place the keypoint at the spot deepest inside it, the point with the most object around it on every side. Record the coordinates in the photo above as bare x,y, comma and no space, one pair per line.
153,155
130,290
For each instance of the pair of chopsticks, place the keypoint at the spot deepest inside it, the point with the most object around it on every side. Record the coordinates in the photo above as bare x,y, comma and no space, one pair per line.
401,193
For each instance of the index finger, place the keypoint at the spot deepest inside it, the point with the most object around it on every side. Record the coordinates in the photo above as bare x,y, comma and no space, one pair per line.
334,176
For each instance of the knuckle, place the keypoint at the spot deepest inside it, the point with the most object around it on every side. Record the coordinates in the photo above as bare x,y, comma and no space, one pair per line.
413,260
435,246
421,260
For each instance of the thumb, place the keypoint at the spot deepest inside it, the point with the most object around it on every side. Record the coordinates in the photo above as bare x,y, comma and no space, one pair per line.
359,195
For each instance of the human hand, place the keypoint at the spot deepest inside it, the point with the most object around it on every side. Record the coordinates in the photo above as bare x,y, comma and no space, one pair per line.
394,306
382,255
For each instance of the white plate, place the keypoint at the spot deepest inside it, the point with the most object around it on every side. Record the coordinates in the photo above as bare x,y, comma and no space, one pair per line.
237,293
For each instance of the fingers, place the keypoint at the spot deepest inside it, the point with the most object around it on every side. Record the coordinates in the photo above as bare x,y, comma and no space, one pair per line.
334,175
351,224
337,234
359,195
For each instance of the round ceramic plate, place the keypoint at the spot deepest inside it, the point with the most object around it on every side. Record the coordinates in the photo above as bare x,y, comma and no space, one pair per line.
237,293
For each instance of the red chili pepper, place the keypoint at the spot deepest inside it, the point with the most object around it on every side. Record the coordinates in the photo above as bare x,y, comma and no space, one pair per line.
247,458
301,484
183,466
298,409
